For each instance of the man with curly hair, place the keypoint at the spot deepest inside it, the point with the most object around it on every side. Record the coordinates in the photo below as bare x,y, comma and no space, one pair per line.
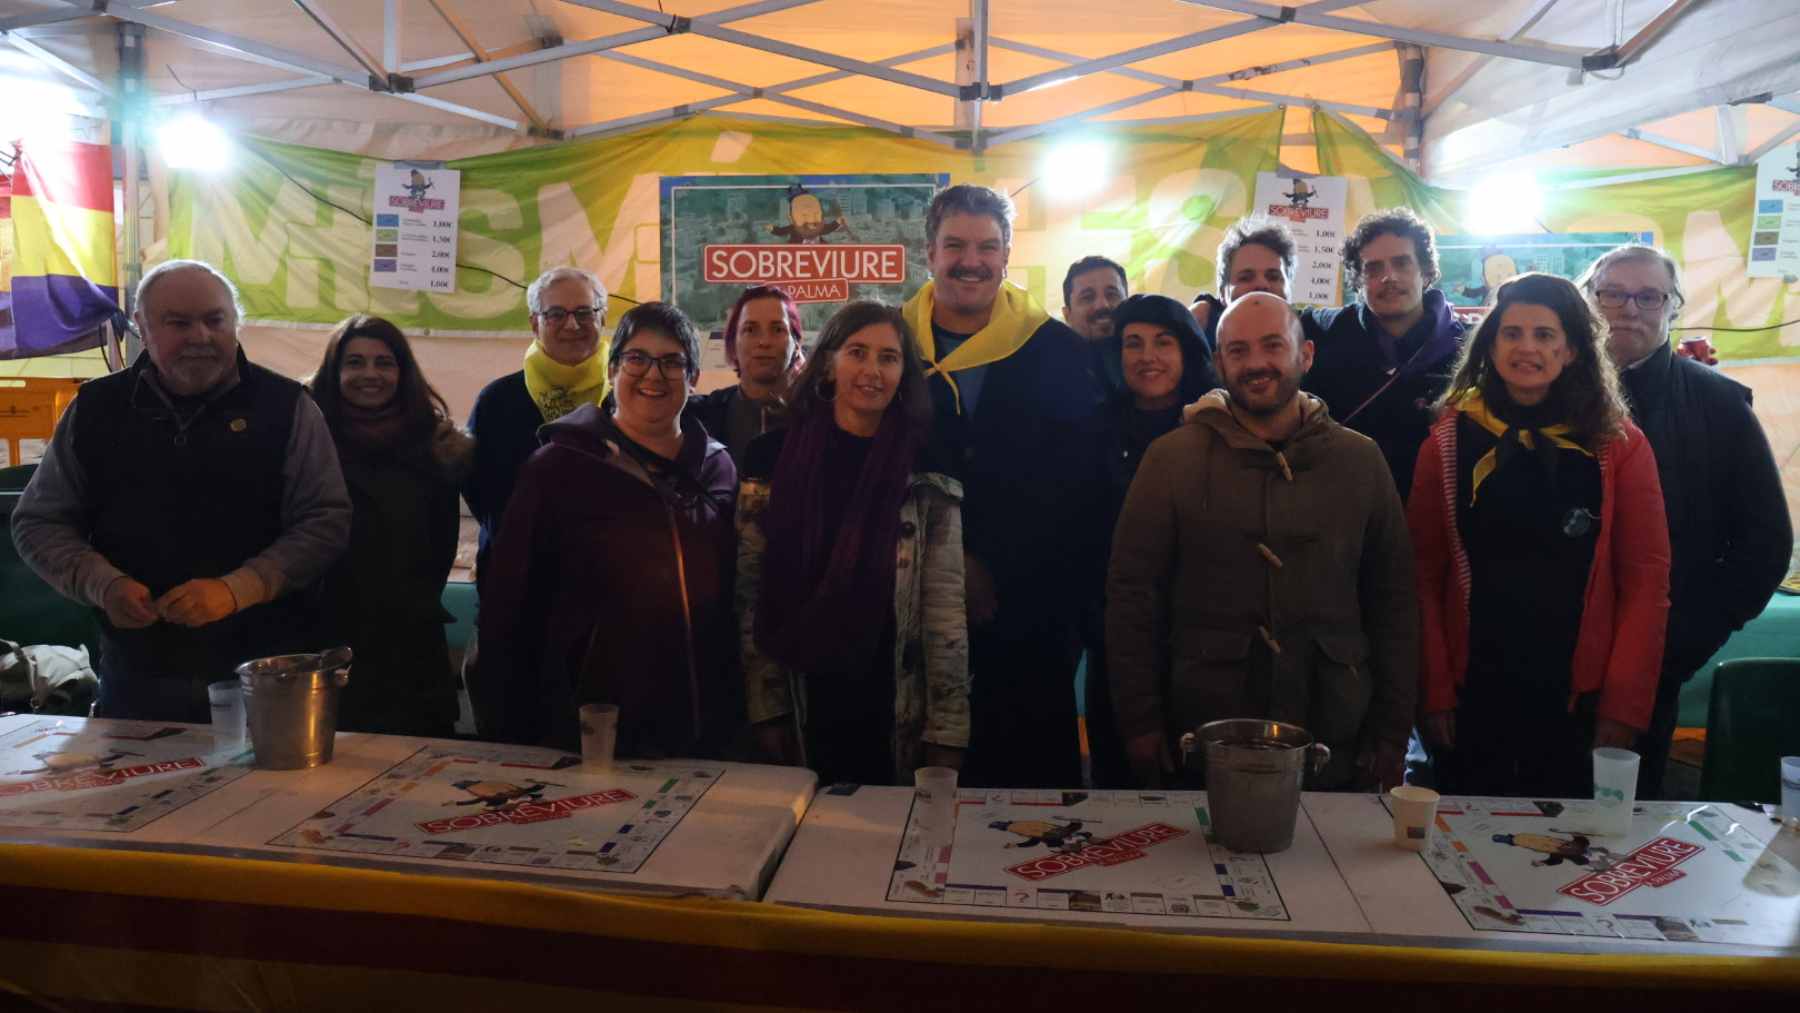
1381,362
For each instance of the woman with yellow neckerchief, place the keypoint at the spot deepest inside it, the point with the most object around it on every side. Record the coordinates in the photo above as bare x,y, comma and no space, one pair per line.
1543,554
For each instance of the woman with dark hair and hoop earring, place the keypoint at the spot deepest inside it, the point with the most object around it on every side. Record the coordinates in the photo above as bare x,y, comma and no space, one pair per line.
763,344
850,585
1543,554
403,460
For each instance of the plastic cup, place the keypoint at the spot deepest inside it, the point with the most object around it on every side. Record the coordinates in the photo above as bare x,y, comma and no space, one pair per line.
934,794
227,701
599,734
1415,811
1790,789
1615,789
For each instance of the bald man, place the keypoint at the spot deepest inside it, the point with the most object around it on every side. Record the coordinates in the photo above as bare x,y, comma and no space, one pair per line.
1261,569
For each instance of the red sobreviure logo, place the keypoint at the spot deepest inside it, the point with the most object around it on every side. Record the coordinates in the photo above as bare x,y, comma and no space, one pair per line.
99,778
1787,186
1299,214
810,272
526,812
1115,850
415,203
1651,865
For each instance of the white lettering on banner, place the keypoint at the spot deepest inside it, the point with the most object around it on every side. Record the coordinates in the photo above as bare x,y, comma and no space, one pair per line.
566,236
479,295
632,247
223,236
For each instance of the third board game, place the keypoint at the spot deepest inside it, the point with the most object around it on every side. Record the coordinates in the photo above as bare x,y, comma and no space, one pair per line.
1114,851
1687,873
109,776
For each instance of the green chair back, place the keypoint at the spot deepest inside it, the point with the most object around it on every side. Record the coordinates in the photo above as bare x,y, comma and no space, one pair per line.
1753,720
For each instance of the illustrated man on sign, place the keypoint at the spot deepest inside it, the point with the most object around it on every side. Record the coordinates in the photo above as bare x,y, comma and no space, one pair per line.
190,499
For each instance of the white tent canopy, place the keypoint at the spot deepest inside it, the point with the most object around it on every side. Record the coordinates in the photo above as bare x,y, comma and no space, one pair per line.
1668,83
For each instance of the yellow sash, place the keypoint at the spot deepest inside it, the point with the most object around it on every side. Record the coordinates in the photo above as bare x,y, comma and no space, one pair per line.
1016,317
558,389
1472,406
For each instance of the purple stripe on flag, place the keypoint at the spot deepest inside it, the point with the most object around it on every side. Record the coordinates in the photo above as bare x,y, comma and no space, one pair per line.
6,324
51,311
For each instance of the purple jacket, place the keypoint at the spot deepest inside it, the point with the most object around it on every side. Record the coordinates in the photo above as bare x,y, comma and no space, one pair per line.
608,584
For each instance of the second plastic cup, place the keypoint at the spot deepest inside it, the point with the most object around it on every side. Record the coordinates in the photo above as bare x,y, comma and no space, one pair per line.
1415,811
227,701
934,794
1790,789
599,734
1615,789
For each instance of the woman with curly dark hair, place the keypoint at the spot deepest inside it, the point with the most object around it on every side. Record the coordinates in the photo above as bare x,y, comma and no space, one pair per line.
1543,554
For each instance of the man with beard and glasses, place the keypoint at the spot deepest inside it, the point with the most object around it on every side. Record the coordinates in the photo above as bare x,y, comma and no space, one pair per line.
1262,569
1383,361
1730,535
1014,401
190,499
1093,288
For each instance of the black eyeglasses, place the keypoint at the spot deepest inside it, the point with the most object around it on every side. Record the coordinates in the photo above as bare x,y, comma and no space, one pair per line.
673,366
1649,300
556,316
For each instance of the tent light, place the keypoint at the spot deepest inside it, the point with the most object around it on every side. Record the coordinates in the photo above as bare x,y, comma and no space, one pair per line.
1505,204
1077,168
190,141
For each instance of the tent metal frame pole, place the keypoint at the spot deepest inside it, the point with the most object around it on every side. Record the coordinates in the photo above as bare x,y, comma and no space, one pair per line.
1653,31
598,44
460,110
1047,126
1462,78
978,15
1730,149
182,98
245,49
694,108
390,36
1207,86
45,17
24,45
345,40
749,92
467,59
1672,144
713,29
1079,67
1755,154
1508,50
467,35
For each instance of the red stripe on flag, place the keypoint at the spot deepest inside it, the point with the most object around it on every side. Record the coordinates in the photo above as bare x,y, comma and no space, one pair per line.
71,174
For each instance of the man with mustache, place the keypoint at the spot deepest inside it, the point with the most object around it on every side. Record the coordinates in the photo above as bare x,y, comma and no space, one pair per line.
1383,361
190,499
1262,569
1730,534
1092,289
1014,398
1256,255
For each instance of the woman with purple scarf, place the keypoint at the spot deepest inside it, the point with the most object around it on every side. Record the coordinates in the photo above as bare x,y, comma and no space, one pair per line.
850,582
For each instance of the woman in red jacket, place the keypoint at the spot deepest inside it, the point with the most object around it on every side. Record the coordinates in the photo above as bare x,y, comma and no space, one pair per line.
1543,554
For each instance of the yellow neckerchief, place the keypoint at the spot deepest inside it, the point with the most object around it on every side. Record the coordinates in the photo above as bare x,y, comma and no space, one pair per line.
1016,317
558,389
1476,410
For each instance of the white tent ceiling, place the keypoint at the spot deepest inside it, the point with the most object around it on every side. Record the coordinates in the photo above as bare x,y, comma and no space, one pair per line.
1499,82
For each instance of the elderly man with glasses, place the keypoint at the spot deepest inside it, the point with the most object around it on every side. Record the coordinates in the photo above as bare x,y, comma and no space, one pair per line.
1729,528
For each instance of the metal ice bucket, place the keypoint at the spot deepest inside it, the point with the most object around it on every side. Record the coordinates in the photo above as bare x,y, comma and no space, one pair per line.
1253,773
291,701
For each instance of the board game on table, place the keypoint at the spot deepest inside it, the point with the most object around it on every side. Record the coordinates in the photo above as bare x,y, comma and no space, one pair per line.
1520,873
73,776
1138,858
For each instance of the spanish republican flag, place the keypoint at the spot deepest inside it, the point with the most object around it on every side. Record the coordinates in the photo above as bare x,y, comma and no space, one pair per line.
64,272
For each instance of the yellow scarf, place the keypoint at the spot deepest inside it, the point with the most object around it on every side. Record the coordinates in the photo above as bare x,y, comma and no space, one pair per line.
1016,317
558,389
1472,406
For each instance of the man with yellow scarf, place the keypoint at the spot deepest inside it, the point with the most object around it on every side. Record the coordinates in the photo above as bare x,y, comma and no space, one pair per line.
1014,399
565,368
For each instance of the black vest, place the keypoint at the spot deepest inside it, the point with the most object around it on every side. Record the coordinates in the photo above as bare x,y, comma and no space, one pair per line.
169,501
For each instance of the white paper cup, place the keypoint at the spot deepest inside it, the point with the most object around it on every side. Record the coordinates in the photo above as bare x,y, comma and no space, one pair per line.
599,734
934,793
1615,789
227,701
1415,811
1790,789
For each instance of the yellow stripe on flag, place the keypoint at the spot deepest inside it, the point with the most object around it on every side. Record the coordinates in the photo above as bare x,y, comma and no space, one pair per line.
56,239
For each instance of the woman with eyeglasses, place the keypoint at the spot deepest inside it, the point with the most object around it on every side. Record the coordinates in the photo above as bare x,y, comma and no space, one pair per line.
402,459
1543,554
851,615
611,579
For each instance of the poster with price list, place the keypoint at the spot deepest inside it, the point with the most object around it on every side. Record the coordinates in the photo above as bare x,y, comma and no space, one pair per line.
415,228
1313,210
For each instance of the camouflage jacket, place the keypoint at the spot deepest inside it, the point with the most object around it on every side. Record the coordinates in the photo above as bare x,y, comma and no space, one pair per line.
931,647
